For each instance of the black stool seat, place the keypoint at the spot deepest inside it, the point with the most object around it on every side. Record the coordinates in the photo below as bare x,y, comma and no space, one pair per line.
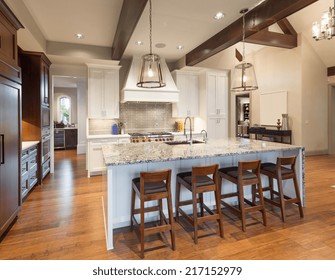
272,167
200,180
151,187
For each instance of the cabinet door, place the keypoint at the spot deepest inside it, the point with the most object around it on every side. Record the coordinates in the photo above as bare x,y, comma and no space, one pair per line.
217,94
95,93
111,93
103,93
45,84
217,128
187,83
9,153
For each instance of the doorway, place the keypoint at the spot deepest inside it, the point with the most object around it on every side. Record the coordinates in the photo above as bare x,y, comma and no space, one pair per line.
242,118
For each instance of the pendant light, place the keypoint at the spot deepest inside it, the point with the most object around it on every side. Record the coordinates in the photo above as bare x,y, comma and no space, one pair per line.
151,72
244,78
325,29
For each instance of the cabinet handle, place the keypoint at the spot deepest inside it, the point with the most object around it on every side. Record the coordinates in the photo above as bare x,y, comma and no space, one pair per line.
2,149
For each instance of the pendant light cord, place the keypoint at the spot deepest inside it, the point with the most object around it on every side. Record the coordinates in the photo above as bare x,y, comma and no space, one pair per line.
243,50
150,23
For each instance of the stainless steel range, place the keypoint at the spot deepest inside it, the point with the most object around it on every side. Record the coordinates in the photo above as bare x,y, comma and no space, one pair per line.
151,137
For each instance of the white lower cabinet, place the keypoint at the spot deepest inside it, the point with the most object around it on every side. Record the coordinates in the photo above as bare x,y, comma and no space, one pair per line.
95,160
28,170
217,128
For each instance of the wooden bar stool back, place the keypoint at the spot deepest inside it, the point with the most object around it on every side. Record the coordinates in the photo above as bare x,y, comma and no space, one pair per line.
247,173
202,179
284,169
148,187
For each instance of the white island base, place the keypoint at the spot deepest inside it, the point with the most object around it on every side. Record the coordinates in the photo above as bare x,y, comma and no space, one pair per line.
122,167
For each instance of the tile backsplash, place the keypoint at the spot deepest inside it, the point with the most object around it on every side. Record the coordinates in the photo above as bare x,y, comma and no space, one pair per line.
137,117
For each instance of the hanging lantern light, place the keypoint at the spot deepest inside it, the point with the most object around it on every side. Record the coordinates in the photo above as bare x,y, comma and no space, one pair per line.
151,72
244,78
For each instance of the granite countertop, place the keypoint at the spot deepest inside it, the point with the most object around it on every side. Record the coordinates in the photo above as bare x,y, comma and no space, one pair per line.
28,144
132,153
100,136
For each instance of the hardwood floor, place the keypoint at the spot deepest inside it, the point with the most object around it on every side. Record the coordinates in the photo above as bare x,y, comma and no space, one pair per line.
62,219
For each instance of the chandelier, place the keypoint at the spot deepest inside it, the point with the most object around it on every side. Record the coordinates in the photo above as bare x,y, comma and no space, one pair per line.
151,72
325,29
244,78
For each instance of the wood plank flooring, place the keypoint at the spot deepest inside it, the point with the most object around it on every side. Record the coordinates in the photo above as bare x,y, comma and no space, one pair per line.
62,219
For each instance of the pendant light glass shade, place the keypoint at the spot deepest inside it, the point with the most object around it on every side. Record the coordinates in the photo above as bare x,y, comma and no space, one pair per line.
151,72
244,78
325,29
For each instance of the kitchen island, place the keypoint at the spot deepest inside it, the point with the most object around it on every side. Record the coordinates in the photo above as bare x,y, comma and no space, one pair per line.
125,162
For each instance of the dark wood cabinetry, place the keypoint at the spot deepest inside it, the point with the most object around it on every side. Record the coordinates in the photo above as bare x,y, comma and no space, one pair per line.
10,120
261,133
71,138
36,105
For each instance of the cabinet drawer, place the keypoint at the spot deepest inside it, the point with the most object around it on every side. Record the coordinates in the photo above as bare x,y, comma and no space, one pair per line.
45,168
24,167
32,179
24,185
25,155
32,161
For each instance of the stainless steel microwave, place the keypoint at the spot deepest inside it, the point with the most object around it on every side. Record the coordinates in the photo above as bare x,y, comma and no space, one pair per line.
45,117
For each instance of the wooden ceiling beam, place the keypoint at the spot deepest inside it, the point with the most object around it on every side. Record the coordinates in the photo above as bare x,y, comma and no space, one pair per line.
286,27
331,71
273,39
130,14
262,16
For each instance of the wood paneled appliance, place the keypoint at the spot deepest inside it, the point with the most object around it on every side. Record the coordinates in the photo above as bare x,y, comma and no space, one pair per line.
36,105
10,119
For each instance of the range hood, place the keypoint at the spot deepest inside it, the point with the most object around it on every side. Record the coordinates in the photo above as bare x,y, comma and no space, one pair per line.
132,93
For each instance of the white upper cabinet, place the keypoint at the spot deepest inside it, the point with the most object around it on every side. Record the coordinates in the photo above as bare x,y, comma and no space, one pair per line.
103,91
188,84
217,91
213,100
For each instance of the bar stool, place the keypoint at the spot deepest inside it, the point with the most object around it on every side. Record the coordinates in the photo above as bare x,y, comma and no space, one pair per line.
245,174
202,179
284,169
152,186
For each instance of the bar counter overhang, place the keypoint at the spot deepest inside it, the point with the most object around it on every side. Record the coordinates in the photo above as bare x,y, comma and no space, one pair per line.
125,161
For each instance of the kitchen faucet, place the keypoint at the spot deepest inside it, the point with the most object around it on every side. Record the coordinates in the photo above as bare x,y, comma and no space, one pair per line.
205,137
190,128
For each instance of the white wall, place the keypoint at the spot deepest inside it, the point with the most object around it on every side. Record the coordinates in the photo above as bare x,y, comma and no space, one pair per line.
299,71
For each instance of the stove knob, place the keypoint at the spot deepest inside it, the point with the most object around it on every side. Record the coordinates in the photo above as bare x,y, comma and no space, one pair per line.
137,140
156,139
143,140
149,140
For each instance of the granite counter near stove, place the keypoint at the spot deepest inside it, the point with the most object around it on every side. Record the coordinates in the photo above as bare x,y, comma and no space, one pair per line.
125,162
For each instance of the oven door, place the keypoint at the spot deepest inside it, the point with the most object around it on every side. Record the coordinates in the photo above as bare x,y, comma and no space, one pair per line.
46,145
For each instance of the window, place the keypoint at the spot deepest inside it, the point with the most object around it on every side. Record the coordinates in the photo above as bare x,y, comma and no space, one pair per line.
64,105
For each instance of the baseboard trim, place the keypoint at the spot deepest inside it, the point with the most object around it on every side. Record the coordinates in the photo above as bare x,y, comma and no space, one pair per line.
81,149
316,153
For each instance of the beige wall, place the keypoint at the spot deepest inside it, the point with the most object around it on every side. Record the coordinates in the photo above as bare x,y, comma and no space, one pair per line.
302,74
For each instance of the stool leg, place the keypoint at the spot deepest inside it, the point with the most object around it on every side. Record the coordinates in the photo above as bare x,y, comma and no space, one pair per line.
160,203
177,200
281,198
271,188
242,207
169,203
195,217
142,228
261,199
217,194
132,209
201,197
297,193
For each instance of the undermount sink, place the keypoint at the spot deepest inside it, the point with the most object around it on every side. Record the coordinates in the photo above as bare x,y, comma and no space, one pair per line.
184,142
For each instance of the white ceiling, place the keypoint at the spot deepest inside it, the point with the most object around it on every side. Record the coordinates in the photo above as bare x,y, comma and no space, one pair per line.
175,22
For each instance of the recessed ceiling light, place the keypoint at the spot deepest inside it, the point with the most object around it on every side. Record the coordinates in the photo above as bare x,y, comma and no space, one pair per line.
219,15
139,43
180,47
79,36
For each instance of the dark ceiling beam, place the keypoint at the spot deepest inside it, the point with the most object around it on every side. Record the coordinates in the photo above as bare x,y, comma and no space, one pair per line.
262,16
331,71
273,39
286,27
130,14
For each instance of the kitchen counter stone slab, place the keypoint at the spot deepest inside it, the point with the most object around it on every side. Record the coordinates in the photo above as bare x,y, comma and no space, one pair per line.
28,144
133,153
